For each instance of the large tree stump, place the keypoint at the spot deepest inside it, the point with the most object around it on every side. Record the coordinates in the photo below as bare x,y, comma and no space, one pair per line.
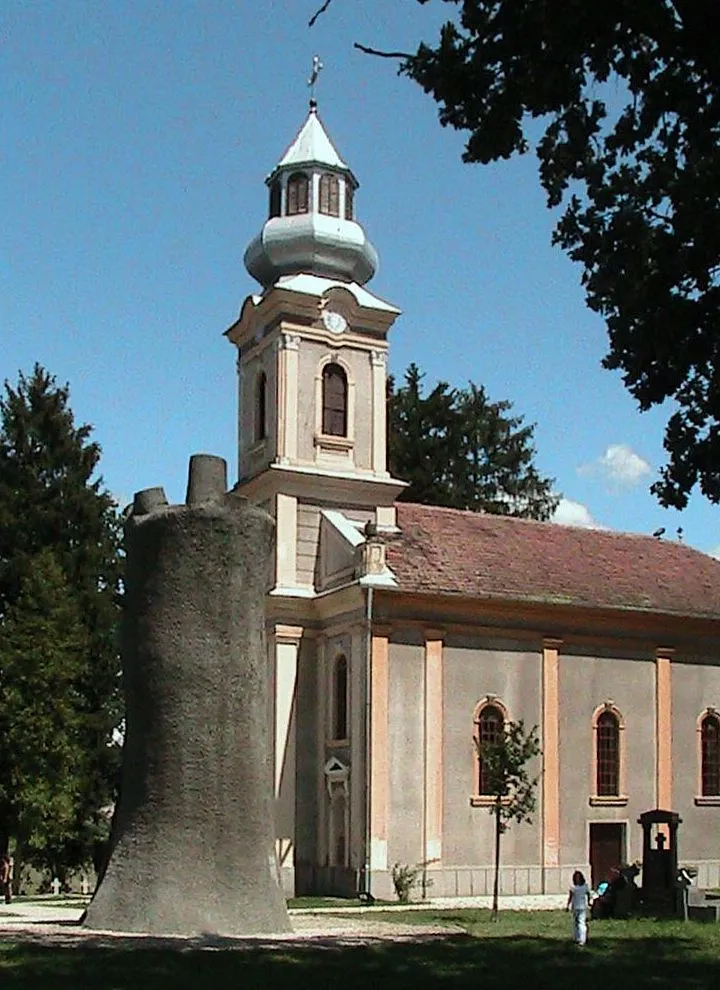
193,845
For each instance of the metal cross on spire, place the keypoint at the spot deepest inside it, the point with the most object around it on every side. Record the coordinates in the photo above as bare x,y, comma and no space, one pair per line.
312,81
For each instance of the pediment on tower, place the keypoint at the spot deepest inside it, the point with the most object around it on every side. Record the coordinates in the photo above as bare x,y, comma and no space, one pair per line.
338,543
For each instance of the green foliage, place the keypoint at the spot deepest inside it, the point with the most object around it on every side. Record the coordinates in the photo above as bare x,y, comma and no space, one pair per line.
406,877
457,448
59,599
506,763
629,96
42,653
506,767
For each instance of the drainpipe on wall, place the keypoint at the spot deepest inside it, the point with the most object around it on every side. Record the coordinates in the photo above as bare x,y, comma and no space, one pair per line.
367,877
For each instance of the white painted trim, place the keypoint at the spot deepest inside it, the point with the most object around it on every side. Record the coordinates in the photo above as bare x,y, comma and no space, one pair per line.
385,580
284,592
316,285
286,663
344,526
378,854
286,512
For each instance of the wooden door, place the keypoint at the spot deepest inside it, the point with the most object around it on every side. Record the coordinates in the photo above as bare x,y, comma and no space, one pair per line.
607,849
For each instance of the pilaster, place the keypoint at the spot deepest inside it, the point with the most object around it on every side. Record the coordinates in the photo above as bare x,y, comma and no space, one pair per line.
286,646
287,396
285,541
663,728
551,755
433,755
379,755
378,361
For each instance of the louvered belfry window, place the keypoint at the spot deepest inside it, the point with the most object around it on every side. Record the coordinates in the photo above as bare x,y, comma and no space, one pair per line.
334,401
275,199
710,755
330,195
349,193
490,726
607,744
298,189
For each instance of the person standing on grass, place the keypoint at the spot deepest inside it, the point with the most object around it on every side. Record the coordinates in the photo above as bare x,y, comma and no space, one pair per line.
579,901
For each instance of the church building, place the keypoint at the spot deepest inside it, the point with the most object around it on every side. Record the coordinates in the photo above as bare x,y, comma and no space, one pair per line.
399,635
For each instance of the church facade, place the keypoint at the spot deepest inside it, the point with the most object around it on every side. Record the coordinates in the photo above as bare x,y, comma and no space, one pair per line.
401,635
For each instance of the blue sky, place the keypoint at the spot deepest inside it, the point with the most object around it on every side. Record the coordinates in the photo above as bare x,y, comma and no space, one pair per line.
135,139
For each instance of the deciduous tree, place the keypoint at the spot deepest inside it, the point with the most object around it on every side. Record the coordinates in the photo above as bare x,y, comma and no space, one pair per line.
628,92
622,102
506,766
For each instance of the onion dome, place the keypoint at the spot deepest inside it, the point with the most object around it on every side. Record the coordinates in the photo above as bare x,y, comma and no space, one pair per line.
311,227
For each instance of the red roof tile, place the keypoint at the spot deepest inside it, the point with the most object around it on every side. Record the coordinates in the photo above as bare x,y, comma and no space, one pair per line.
451,552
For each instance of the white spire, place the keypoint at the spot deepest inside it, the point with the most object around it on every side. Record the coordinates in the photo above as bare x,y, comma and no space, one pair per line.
312,145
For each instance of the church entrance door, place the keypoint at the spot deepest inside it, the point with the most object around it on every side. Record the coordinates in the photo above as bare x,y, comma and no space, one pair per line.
607,849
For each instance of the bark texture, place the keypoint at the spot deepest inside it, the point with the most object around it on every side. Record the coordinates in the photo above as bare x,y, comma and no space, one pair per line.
193,838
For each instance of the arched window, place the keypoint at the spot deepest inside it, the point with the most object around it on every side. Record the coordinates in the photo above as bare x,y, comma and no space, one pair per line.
489,727
710,755
275,197
334,401
330,194
349,194
260,407
297,194
607,754
340,698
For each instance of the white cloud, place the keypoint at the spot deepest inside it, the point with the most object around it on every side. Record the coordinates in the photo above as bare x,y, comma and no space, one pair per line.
620,466
715,552
569,513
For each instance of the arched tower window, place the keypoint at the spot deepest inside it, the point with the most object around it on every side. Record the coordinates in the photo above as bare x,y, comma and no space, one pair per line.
340,698
330,194
710,755
489,728
275,198
334,401
260,407
298,194
607,754
349,196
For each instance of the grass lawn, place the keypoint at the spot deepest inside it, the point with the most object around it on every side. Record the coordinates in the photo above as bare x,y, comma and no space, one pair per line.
526,950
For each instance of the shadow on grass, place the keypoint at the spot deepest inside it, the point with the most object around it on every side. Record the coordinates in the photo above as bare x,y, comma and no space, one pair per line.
609,963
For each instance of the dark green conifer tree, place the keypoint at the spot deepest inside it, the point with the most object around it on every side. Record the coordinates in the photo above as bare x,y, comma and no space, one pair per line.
52,500
458,449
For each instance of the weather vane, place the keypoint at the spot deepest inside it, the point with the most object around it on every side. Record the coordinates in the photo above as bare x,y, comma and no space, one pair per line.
312,81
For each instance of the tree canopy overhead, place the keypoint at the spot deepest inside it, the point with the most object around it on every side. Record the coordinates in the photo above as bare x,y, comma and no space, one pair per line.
628,95
636,167
456,448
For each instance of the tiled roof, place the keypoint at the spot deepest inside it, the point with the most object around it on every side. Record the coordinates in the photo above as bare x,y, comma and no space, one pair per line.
451,552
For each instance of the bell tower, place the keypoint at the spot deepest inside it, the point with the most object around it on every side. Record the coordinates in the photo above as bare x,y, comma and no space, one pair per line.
312,359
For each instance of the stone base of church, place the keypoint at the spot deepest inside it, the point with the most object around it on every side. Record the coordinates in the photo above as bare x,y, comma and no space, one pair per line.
451,881
472,881
708,875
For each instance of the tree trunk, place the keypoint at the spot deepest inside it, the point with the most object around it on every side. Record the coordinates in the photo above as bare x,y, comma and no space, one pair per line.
496,879
193,845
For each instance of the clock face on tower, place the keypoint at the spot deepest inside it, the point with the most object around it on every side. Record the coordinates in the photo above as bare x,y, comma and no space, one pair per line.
335,322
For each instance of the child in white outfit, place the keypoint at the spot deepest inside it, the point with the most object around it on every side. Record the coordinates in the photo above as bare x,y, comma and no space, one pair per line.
579,901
